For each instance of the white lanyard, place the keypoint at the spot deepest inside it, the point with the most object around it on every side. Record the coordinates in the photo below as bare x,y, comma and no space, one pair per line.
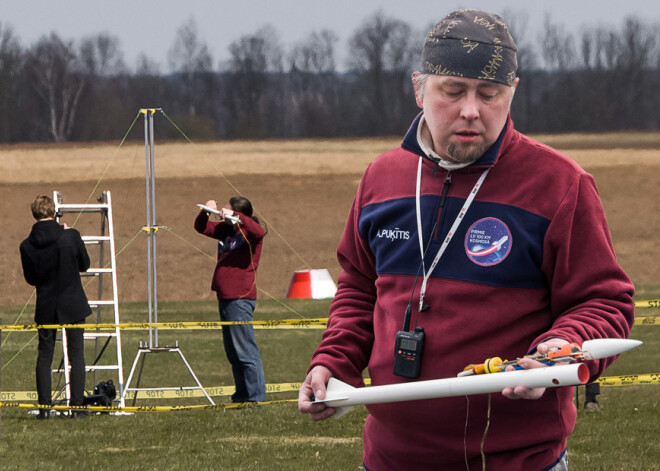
451,232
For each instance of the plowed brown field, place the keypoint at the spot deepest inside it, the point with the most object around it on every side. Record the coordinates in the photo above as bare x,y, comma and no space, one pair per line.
302,189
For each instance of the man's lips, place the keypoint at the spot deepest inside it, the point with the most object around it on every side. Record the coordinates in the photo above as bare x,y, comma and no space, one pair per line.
467,136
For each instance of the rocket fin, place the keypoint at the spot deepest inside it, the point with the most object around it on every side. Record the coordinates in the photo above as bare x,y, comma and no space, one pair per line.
336,386
342,411
334,391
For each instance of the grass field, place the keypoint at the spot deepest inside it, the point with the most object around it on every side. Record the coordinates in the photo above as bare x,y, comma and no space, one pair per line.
622,436
303,189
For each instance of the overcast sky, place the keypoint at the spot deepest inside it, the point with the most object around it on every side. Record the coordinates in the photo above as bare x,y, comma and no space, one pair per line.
149,26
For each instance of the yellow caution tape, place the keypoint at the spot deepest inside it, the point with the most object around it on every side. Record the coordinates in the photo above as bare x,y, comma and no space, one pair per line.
215,391
18,396
268,324
231,405
166,394
649,303
211,391
630,380
309,324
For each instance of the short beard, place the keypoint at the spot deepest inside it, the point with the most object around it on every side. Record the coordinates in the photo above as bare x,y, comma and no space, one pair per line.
465,155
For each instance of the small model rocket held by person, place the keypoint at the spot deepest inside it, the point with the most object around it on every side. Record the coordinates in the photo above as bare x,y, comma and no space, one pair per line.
233,219
475,379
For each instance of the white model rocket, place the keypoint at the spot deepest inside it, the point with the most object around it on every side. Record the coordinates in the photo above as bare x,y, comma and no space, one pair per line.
343,397
233,219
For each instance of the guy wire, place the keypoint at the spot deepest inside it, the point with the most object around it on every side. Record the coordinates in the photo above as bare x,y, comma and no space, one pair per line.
211,257
34,291
98,182
72,225
125,201
117,254
19,351
19,315
270,226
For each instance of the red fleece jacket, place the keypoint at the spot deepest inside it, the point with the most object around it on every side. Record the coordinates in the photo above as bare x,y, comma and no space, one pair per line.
239,251
558,278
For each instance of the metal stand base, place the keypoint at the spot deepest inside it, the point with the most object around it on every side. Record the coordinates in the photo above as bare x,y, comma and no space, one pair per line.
143,350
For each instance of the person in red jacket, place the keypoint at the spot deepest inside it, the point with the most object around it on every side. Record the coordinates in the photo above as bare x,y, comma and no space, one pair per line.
53,256
495,243
240,239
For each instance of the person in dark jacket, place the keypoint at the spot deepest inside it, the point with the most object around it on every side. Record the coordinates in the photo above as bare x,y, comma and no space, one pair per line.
53,256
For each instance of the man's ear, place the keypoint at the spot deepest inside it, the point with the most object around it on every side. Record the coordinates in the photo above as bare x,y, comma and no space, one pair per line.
514,86
419,92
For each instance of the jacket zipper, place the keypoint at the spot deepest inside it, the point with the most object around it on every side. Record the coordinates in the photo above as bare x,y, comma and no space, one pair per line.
443,197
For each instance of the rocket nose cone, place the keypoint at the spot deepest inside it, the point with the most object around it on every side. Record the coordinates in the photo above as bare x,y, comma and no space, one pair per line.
602,348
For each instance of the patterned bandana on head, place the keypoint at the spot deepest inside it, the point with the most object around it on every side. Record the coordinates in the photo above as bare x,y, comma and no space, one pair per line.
473,44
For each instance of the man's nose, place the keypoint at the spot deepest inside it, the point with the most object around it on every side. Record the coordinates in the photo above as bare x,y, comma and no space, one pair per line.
470,107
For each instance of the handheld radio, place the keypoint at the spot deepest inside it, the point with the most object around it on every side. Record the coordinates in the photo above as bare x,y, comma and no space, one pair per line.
408,349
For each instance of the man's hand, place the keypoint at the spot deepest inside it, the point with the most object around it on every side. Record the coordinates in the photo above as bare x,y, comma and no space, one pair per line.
211,204
523,392
314,386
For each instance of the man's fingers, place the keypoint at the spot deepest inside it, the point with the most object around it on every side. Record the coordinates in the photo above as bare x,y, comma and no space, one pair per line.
521,391
529,364
314,386
326,413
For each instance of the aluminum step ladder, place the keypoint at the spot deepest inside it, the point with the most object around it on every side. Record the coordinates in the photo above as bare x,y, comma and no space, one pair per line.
104,300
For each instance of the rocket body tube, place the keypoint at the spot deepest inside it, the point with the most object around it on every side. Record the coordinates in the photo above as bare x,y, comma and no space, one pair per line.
342,396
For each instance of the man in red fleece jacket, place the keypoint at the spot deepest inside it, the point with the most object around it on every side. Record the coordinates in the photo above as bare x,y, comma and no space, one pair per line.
499,245
240,239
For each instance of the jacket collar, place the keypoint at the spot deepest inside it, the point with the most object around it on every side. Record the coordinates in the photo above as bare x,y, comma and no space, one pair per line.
45,232
489,158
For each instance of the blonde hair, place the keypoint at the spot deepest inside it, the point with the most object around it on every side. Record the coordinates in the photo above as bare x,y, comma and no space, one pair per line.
419,81
43,207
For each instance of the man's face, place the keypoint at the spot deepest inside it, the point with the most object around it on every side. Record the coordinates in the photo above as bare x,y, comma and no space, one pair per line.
465,115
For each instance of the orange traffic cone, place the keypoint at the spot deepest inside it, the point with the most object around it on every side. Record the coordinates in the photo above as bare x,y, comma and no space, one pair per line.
311,284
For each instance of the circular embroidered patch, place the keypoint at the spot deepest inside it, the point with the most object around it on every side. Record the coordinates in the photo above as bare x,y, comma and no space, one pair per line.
488,242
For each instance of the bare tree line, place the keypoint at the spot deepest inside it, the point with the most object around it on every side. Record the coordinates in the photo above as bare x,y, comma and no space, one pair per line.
601,79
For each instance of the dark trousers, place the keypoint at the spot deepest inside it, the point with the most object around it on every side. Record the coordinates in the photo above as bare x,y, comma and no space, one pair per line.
592,390
76,351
